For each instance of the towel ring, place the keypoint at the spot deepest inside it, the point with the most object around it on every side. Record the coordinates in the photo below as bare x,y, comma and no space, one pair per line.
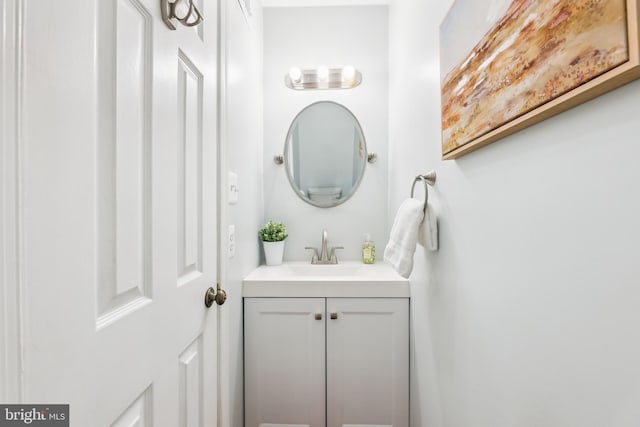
430,179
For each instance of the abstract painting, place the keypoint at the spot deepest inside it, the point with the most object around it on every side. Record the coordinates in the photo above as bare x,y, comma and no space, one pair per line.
507,64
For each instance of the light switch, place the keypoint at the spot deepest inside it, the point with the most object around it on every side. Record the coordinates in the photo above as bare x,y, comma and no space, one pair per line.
231,242
232,183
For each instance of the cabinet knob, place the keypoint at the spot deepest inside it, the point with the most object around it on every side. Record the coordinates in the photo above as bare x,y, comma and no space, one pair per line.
318,316
334,316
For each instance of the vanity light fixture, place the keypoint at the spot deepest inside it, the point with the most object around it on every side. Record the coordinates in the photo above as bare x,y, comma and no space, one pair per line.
323,77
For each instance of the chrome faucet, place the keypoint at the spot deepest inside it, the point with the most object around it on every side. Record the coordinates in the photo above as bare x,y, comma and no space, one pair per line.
325,257
323,253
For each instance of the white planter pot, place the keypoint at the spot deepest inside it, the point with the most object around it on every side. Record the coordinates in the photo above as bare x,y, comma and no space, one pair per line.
273,252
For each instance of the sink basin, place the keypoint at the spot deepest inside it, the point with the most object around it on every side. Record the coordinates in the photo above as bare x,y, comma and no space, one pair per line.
322,269
347,279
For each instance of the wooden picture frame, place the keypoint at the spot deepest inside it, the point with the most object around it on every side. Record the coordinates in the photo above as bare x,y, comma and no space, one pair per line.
470,122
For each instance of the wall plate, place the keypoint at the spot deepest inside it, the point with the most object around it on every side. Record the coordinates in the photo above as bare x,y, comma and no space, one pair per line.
231,241
232,185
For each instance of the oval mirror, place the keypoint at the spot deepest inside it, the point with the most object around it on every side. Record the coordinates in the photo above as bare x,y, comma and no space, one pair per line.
325,154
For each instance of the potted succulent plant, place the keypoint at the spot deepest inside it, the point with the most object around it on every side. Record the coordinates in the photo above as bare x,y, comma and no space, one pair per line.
272,236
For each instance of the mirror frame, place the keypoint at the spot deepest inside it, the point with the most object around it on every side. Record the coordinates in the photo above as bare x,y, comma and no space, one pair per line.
286,156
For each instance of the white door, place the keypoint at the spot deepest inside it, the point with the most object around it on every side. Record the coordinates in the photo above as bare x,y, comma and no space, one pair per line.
284,353
115,211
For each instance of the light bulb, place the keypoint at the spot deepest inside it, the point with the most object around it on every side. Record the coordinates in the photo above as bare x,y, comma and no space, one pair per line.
323,73
348,73
295,74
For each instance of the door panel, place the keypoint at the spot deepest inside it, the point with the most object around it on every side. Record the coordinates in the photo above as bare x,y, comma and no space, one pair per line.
123,158
138,414
191,378
189,157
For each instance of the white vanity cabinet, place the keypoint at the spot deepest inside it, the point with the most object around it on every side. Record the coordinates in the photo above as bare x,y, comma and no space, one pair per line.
334,362
284,362
367,351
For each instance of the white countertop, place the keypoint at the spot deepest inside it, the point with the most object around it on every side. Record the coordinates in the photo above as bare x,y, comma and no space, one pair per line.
348,279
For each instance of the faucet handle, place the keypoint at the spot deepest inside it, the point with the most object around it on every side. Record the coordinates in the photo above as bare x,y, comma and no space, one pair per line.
315,256
332,255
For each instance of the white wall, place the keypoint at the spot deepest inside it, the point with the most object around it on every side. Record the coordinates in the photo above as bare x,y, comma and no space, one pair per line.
528,315
308,38
242,154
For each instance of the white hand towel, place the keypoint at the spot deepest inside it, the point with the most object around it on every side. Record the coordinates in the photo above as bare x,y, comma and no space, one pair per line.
404,236
428,231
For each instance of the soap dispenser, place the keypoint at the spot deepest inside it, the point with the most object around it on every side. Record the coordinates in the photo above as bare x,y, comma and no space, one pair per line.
368,250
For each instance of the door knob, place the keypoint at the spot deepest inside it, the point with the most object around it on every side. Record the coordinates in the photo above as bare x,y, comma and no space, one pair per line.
219,296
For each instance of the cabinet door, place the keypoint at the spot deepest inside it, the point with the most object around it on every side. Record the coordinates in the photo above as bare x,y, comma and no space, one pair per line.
284,348
367,362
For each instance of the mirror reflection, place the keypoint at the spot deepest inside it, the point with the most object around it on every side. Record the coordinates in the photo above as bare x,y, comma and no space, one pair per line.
325,154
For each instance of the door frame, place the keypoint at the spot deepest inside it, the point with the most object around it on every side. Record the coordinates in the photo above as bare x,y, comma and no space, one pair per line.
11,280
224,340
